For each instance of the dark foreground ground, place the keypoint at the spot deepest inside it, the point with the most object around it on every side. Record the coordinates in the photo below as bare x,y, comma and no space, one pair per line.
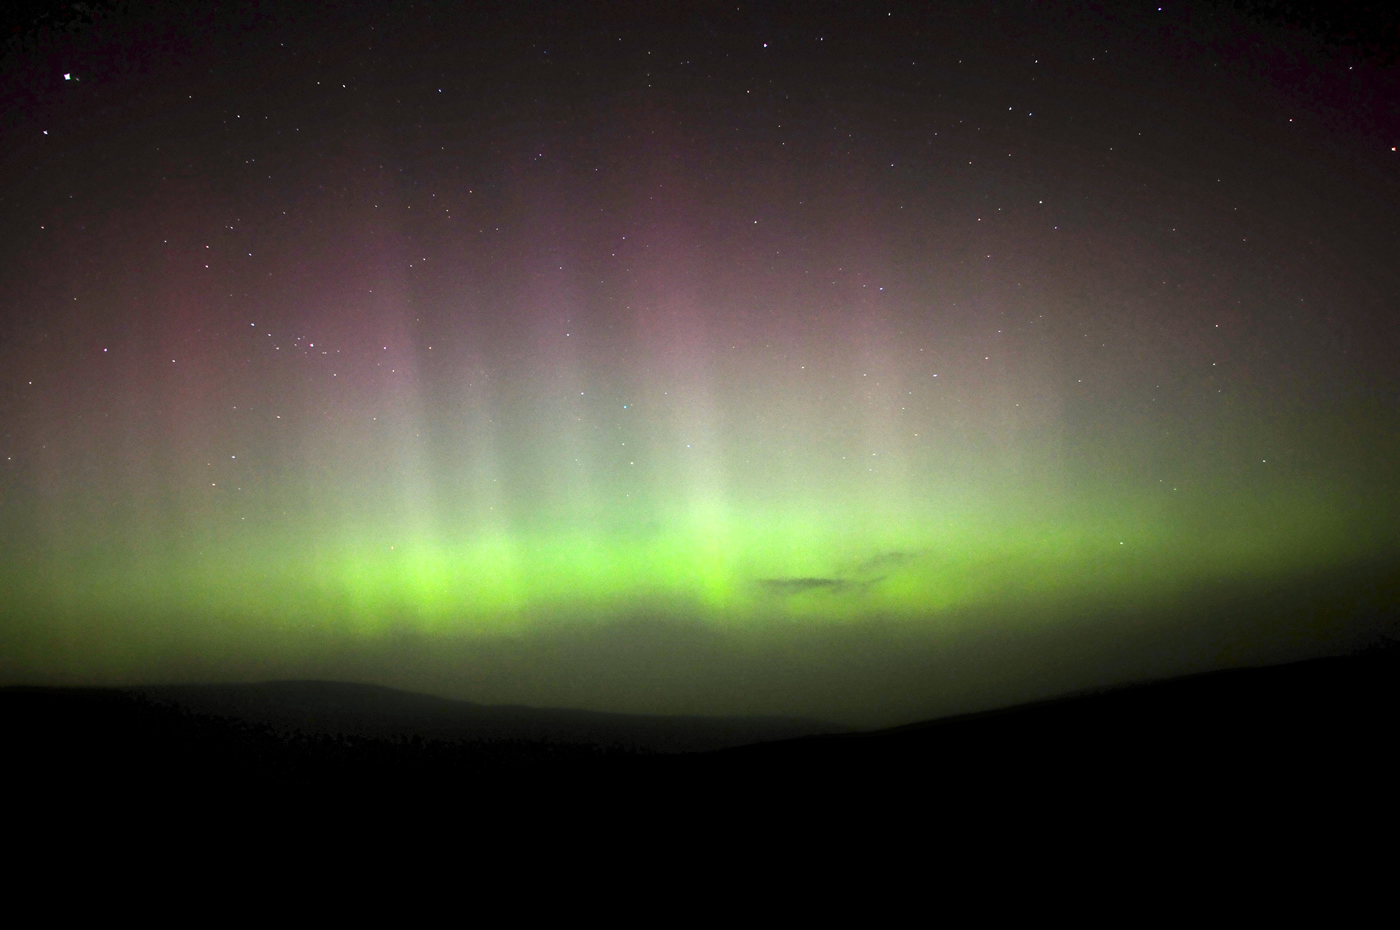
1317,736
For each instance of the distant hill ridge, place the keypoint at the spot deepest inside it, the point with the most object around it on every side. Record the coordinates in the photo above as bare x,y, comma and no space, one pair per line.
1309,722
374,711
346,712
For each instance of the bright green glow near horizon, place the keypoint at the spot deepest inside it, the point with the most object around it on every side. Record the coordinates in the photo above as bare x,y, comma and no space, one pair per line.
728,566
864,615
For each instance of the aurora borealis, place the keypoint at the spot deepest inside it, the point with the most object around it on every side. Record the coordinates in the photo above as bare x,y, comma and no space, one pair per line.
860,361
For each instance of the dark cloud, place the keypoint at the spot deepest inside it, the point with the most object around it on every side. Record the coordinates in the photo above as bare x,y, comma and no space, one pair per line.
892,559
789,586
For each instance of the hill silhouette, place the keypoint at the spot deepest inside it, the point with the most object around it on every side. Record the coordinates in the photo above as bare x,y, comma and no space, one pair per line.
337,729
1336,712
1313,734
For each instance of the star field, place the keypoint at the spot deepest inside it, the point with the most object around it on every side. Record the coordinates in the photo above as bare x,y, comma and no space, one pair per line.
348,341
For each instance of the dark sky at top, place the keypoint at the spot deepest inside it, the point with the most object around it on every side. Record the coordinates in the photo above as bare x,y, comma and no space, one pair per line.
653,355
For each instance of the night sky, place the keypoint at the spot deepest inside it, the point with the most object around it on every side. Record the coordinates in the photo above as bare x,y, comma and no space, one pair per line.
866,361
